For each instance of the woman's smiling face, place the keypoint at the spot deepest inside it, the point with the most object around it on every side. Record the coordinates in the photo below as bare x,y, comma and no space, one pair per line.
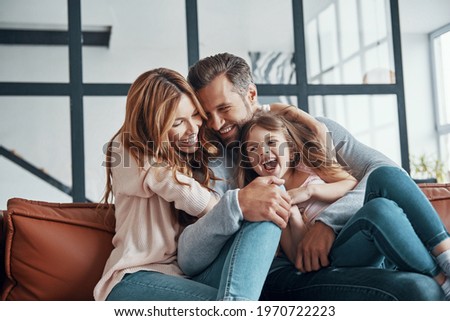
184,132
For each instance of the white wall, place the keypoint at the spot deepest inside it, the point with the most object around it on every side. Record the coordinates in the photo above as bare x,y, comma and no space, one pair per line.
418,19
145,35
418,95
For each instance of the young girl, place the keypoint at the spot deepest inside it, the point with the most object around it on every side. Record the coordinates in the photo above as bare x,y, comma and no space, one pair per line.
271,145
157,172
397,222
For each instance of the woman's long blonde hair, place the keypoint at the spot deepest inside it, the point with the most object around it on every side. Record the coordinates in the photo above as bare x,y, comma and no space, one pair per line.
304,146
151,106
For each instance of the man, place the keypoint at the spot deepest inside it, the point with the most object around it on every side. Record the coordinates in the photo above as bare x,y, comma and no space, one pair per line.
225,88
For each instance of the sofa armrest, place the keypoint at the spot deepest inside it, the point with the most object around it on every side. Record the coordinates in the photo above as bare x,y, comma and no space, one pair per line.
54,251
439,196
2,250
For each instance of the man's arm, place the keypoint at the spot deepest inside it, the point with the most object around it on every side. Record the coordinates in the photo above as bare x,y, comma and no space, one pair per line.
360,160
200,243
295,114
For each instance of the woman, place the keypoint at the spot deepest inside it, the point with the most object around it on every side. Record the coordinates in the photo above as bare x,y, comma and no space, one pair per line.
157,171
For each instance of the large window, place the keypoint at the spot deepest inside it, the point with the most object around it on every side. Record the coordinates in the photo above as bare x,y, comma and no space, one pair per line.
65,72
350,42
373,119
440,51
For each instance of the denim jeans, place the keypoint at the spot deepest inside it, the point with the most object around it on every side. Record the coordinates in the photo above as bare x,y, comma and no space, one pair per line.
238,273
286,283
242,266
154,286
396,222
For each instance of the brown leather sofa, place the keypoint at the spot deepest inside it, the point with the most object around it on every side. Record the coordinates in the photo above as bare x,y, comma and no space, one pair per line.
52,251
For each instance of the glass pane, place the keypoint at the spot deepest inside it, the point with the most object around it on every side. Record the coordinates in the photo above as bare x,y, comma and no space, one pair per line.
259,31
373,120
34,63
348,23
103,116
441,49
36,129
348,42
377,57
445,158
374,20
18,182
328,37
290,100
313,65
144,35
352,71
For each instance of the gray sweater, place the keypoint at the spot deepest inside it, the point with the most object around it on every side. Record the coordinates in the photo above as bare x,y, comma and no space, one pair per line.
200,243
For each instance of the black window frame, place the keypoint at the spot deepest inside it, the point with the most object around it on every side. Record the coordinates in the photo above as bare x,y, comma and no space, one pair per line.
76,89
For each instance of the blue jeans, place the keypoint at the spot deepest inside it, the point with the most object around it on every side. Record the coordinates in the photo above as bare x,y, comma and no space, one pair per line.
238,273
286,283
397,222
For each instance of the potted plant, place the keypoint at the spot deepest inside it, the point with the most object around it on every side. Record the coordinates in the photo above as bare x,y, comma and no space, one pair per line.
427,169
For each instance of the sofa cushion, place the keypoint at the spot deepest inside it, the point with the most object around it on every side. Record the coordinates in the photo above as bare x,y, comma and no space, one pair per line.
55,251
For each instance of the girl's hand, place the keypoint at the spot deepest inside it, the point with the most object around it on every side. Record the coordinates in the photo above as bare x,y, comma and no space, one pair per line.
293,233
299,195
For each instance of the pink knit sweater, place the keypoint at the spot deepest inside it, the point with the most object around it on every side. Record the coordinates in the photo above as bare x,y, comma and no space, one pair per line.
146,233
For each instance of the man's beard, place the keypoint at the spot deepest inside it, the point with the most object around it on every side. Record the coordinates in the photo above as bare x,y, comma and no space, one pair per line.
215,138
232,143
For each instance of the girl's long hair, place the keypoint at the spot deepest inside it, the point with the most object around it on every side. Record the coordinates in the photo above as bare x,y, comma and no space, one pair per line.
304,146
151,105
